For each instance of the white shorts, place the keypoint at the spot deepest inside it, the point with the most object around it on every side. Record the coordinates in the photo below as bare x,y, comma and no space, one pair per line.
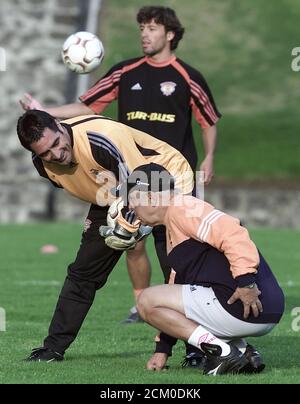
201,305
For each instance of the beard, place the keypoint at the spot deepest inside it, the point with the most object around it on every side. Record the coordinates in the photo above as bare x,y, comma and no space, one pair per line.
153,51
150,53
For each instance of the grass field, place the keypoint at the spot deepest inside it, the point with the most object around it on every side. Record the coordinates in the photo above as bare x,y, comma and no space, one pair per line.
106,352
244,50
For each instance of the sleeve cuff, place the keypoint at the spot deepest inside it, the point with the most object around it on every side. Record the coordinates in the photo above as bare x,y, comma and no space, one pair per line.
245,280
165,344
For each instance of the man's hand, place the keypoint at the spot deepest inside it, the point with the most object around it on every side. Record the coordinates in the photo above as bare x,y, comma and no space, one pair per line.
207,167
29,102
250,300
114,241
122,232
157,361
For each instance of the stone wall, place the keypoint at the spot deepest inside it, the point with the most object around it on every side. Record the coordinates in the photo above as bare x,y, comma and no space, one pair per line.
32,33
270,205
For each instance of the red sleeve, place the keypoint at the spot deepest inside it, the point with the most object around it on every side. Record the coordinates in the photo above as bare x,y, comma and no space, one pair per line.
104,91
202,102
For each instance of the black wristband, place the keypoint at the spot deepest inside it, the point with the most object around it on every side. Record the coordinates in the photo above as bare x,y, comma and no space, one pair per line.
245,280
165,344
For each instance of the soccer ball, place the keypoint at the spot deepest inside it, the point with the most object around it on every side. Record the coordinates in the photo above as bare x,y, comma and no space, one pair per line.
82,52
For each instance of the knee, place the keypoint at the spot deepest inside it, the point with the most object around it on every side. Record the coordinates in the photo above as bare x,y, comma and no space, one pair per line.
144,304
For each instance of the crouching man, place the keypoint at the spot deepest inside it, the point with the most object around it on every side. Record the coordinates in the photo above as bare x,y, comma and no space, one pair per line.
223,290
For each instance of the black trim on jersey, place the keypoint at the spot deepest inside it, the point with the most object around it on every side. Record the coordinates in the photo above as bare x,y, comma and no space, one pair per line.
147,152
39,166
87,120
107,155
104,158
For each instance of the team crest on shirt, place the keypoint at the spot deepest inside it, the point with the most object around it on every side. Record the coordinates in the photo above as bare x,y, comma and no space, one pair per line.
167,87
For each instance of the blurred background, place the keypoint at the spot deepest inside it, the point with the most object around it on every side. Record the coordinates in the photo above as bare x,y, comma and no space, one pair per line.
243,48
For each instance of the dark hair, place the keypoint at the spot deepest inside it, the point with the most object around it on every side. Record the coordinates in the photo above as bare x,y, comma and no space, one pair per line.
32,124
165,16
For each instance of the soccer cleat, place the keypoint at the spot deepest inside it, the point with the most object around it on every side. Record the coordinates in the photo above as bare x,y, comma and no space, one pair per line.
216,364
43,354
194,360
255,360
133,317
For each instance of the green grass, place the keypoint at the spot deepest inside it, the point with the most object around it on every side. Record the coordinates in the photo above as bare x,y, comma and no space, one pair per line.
244,50
106,352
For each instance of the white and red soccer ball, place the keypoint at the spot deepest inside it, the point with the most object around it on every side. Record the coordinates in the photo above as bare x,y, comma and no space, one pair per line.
82,52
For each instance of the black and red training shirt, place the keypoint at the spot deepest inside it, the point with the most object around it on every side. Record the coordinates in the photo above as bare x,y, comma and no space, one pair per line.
157,98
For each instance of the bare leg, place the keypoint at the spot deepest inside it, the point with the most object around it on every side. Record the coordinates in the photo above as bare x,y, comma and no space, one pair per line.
162,307
139,268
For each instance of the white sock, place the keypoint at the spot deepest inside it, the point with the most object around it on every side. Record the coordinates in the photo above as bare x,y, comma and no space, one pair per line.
133,310
200,334
240,344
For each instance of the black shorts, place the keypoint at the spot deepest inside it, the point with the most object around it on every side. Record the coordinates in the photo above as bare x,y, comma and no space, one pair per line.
94,260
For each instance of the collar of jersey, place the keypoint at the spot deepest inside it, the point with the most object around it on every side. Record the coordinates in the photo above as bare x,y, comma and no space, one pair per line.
151,62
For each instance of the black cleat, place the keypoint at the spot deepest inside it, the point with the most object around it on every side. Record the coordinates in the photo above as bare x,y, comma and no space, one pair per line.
194,360
216,364
43,354
133,317
255,360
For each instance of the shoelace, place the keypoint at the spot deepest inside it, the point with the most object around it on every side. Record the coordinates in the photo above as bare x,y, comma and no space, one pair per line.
192,360
37,351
